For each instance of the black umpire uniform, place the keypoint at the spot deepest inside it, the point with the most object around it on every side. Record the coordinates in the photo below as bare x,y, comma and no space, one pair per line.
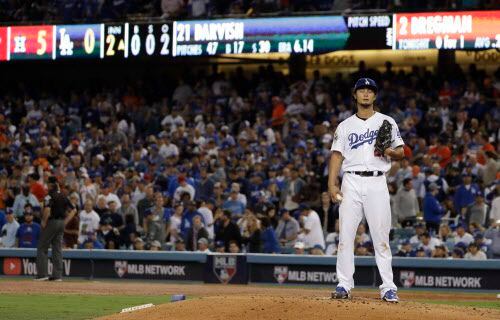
56,206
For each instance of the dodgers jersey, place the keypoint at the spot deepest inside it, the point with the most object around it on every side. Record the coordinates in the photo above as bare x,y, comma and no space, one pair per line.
355,140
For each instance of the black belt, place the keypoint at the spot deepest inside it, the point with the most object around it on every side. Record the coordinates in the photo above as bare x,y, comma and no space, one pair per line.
367,173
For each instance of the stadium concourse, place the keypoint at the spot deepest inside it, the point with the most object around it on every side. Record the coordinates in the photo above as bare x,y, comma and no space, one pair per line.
230,163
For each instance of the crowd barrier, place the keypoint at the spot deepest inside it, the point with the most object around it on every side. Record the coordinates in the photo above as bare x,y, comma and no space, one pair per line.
255,268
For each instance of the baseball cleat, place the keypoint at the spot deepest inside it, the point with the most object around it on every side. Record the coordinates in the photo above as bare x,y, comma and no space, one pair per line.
341,293
55,279
391,296
41,279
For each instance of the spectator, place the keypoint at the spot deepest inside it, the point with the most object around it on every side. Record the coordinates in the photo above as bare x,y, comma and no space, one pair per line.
328,213
155,246
312,233
419,230
144,204
270,243
184,187
138,244
465,194
21,199
299,247
406,204
445,234
71,227
440,251
29,232
113,215
204,188
111,197
188,216
101,207
9,231
154,225
89,222
233,205
433,211
205,210
174,230
476,212
195,233
287,230
317,250
364,249
227,230
474,253
234,247
405,250
462,236
180,245
128,208
457,253
203,245
220,247
251,236
108,236
428,242
495,209
291,194
361,235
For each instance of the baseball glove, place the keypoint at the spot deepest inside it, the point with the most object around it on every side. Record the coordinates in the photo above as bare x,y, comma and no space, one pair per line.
384,136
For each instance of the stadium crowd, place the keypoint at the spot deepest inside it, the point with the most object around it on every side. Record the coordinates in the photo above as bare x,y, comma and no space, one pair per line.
99,10
238,163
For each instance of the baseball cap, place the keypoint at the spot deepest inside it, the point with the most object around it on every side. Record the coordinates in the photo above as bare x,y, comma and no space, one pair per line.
203,240
366,83
299,245
219,244
155,243
318,246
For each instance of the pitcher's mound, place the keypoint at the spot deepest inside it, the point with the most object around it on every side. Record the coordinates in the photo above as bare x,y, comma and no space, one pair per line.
275,307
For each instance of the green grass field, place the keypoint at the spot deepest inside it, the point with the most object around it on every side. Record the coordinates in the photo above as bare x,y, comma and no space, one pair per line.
475,304
74,307
68,307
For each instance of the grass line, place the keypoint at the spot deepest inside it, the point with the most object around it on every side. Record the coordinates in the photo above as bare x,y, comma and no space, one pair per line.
71,307
476,304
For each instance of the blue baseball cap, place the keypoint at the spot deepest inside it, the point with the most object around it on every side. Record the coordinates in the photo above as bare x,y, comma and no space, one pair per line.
366,83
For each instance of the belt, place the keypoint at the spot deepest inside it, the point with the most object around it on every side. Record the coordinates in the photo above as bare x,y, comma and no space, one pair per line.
367,173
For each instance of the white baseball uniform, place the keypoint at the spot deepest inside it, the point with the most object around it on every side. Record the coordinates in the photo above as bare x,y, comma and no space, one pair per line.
364,195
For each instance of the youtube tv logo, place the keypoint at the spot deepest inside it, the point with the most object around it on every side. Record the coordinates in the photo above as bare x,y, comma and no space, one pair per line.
12,266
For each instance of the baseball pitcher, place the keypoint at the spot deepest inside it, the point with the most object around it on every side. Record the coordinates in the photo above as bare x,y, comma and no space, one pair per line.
363,145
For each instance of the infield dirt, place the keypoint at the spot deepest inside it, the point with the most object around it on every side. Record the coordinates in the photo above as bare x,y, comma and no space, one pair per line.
259,302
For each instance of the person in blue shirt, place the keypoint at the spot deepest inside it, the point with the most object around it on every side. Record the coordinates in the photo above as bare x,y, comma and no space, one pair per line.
270,243
433,211
29,232
235,206
187,217
465,195
3,220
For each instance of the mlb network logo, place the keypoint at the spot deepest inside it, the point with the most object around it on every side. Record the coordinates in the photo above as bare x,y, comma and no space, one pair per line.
12,266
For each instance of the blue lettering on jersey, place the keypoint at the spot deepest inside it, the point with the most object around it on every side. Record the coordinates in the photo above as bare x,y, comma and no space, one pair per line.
356,140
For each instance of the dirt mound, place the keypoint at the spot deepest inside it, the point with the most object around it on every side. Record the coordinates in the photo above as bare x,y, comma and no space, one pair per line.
241,302
276,307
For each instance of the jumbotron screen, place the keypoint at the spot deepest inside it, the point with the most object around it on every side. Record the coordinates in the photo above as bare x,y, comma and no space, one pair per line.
294,35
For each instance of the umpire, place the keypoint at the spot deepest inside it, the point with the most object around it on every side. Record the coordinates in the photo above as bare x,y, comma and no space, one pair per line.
56,206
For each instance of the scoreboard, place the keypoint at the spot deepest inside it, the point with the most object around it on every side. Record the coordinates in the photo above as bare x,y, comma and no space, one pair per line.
447,30
261,35
469,30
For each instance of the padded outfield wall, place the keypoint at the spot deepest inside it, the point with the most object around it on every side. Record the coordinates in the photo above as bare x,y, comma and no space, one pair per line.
255,268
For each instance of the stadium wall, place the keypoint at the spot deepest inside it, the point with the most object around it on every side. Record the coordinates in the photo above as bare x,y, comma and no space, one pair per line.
256,268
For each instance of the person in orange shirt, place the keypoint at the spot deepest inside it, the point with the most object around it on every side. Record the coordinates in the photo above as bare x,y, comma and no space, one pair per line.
441,152
36,187
278,115
483,139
